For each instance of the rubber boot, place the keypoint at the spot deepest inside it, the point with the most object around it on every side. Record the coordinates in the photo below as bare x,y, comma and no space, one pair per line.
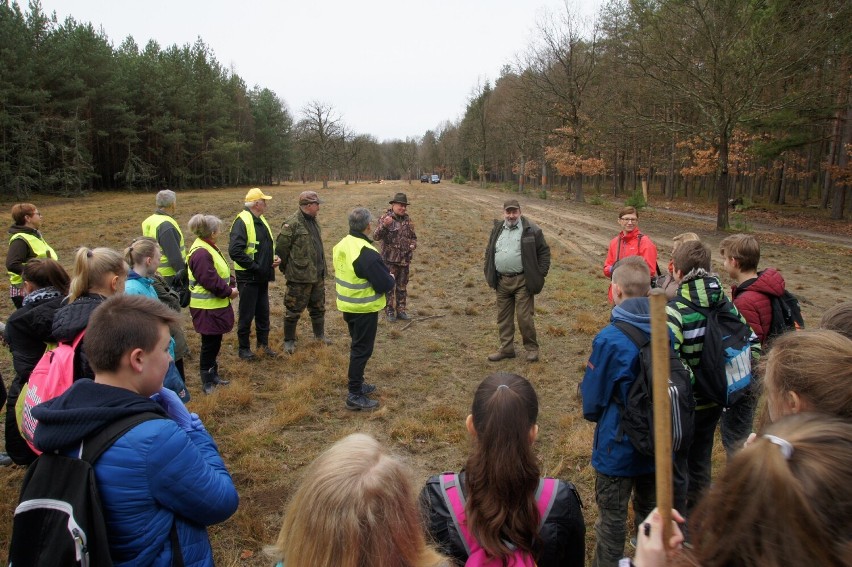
290,335
319,330
218,380
207,382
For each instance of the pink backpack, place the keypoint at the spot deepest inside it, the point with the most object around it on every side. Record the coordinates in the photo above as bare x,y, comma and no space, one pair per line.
53,374
545,496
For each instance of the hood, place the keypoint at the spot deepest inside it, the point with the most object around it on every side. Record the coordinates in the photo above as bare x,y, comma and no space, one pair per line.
768,282
703,291
85,408
636,311
16,229
72,318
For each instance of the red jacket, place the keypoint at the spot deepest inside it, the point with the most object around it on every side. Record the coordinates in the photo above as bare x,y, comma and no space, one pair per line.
751,299
634,243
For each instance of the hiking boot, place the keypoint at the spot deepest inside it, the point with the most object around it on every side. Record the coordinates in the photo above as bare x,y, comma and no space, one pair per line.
266,351
208,388
6,460
360,402
367,389
532,356
208,383
402,316
218,380
290,347
247,354
391,318
500,355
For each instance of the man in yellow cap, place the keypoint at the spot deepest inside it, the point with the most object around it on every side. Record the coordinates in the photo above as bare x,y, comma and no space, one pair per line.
299,244
250,248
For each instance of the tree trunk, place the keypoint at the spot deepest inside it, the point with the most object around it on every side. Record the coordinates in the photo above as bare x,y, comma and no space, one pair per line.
722,184
578,193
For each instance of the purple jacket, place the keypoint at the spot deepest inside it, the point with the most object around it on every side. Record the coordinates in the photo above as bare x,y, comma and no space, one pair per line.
211,321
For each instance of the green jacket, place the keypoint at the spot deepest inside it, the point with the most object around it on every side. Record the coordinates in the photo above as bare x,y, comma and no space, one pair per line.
295,245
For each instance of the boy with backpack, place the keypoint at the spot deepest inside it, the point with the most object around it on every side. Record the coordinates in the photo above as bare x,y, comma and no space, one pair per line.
156,479
754,294
613,368
715,342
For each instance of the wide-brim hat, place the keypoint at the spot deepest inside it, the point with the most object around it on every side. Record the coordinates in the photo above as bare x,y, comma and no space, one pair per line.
255,195
308,198
399,198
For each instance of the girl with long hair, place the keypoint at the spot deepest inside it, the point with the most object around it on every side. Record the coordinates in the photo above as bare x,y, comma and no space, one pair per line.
355,506
500,484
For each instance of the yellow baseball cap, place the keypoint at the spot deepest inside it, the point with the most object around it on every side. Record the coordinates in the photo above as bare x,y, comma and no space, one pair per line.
255,195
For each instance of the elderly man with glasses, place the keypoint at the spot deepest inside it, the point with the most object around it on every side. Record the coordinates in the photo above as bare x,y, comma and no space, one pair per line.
630,242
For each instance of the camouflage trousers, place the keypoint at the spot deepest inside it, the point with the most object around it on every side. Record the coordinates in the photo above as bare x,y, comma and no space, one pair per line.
302,295
613,494
397,298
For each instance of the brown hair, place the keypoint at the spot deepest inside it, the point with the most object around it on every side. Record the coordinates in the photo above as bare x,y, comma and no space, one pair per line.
502,473
46,272
837,318
683,237
633,276
22,210
92,267
772,510
140,248
123,323
743,248
816,365
354,506
690,256
628,211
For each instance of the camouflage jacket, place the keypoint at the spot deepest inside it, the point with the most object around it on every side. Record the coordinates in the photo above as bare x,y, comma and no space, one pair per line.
398,239
302,259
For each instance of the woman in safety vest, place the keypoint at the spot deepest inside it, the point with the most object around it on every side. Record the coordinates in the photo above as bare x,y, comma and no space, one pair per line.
25,243
211,287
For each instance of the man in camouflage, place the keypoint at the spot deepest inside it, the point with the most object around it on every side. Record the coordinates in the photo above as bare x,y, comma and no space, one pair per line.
299,245
396,233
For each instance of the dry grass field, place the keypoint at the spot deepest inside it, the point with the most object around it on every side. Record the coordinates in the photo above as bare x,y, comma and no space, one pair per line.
278,414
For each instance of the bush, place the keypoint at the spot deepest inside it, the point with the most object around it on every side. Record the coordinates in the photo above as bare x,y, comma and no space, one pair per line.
542,194
637,199
596,200
460,179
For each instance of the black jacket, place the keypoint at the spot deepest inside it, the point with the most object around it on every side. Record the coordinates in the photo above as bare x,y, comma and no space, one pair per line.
27,332
259,268
69,320
535,256
563,534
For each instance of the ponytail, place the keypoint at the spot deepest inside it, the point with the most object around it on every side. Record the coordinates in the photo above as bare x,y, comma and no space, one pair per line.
91,268
141,248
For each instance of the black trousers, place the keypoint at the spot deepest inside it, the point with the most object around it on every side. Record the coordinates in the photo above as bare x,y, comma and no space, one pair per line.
362,330
254,305
210,347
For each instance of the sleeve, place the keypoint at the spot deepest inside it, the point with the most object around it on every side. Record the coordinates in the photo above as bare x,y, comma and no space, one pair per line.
756,350
675,323
567,514
413,234
17,255
610,258
381,230
283,244
649,253
205,273
749,311
237,246
369,265
542,253
597,386
188,476
169,239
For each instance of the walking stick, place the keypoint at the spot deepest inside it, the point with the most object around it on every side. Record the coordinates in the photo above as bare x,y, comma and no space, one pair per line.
662,410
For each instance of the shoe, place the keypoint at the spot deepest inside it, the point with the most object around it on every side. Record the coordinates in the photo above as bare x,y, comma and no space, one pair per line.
218,380
500,355
247,354
6,460
290,346
323,339
367,389
268,352
360,403
391,318
532,356
402,316
208,388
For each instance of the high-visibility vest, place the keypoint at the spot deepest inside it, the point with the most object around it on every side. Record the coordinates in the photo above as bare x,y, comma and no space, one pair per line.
149,229
40,248
354,294
251,235
199,296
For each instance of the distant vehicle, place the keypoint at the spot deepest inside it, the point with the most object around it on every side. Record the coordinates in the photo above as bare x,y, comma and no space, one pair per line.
424,179
436,178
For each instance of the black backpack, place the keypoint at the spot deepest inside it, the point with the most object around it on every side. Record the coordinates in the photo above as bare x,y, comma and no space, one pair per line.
723,374
637,411
59,520
786,315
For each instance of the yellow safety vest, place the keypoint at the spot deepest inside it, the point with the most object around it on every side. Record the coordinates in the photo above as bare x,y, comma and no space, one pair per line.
149,229
354,294
200,297
40,248
251,236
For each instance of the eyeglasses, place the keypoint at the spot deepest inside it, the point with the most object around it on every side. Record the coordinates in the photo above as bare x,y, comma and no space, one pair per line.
629,220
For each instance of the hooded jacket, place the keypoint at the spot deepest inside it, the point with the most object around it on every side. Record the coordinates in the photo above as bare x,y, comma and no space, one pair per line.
612,368
753,300
155,475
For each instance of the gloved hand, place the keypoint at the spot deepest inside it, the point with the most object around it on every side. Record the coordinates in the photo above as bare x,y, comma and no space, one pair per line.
174,408
196,423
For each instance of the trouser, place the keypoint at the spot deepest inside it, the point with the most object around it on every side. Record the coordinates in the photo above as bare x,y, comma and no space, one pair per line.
612,494
253,305
512,296
397,298
296,299
210,347
738,421
701,453
362,330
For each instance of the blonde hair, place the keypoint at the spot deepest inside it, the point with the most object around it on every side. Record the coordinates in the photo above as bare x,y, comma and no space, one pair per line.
777,505
633,276
743,248
92,267
355,506
141,248
816,365
837,318
683,237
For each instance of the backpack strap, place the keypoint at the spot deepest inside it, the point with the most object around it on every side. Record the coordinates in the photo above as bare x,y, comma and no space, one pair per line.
94,446
451,491
545,498
635,334
77,339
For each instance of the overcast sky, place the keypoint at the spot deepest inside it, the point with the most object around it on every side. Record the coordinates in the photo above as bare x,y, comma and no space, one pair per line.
390,68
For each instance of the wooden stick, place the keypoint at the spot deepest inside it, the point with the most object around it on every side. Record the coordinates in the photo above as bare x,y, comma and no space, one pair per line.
422,319
662,410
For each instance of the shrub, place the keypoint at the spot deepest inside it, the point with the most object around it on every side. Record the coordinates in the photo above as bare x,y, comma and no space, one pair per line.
637,199
460,179
596,200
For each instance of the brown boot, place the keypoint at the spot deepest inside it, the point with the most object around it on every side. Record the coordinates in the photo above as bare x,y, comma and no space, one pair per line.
500,355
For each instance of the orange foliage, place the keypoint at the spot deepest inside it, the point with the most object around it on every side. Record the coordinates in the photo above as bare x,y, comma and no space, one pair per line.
568,163
842,175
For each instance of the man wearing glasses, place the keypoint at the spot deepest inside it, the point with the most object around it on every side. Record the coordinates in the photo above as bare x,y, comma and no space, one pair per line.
630,242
